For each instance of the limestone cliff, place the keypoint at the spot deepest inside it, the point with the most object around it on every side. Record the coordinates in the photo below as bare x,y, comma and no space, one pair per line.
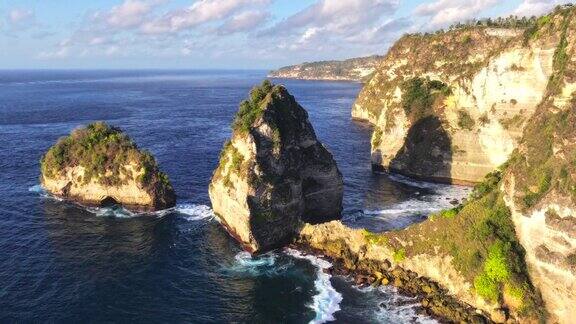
99,165
471,253
273,174
355,69
466,94
540,183
510,249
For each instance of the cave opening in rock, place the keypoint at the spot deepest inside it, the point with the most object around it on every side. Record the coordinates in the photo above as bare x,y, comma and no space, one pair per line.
108,202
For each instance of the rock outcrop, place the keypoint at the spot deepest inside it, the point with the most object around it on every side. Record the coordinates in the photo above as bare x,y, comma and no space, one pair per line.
470,253
510,249
355,69
98,165
462,97
540,182
273,174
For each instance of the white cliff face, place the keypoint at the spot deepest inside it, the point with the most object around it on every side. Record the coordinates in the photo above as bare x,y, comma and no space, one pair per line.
499,97
548,234
129,193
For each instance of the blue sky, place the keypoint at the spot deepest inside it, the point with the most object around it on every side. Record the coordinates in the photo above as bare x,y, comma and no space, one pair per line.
244,34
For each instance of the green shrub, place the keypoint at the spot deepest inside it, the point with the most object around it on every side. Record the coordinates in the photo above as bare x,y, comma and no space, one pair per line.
399,255
250,110
486,287
465,121
419,95
374,238
103,151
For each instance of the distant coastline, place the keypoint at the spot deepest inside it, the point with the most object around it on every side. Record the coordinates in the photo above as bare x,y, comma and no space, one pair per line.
355,70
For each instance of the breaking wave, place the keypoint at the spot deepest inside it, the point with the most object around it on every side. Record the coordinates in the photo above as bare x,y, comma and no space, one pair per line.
195,212
254,266
327,301
396,308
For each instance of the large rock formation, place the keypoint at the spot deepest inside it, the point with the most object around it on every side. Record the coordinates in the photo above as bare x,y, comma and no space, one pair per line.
510,250
273,174
355,69
99,165
467,94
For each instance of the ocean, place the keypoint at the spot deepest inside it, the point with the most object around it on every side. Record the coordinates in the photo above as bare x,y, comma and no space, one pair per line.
61,262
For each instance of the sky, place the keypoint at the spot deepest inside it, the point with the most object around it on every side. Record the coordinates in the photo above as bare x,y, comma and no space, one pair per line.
222,34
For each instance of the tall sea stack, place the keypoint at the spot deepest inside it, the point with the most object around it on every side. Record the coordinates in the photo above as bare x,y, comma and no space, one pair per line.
273,173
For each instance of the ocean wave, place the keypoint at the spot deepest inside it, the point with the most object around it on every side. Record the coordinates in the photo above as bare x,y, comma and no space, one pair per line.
194,212
416,183
440,197
116,212
327,302
254,266
397,308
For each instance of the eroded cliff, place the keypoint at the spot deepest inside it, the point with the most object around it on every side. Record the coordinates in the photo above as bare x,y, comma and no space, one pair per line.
99,165
273,174
471,89
510,249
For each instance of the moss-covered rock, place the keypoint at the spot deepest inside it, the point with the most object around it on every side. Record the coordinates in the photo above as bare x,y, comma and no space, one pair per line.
99,164
273,174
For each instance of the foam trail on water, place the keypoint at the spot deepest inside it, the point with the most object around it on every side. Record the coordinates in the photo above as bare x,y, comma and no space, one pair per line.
36,188
263,265
327,301
437,197
116,211
195,212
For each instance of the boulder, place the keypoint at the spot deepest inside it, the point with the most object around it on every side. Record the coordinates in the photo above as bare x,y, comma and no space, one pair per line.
273,173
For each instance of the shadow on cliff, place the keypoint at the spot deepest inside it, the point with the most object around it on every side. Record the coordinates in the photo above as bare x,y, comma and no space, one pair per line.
426,153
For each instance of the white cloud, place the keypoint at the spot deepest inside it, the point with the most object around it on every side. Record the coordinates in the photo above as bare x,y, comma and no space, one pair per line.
332,26
444,12
537,7
337,16
19,15
244,21
128,14
201,12
60,53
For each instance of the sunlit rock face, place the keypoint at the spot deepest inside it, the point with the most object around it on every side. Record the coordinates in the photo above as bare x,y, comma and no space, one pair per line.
493,81
509,102
274,174
98,165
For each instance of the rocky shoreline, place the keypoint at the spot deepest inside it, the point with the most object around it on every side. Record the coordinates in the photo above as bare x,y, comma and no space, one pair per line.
435,301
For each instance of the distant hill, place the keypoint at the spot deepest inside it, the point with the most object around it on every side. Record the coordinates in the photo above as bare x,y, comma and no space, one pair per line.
355,69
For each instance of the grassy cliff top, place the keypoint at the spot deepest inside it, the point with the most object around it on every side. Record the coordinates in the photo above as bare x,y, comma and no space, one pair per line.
103,151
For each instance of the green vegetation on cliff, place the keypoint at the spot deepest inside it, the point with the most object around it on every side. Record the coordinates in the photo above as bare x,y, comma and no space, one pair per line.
480,237
104,152
420,95
251,108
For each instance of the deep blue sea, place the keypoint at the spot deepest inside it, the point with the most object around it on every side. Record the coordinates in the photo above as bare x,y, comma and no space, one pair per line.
63,263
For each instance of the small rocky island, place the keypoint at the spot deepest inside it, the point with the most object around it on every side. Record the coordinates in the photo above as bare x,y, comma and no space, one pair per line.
274,174
99,165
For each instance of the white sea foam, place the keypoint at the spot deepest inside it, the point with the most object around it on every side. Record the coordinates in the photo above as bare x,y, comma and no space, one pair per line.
397,308
262,265
116,211
195,212
327,301
440,197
